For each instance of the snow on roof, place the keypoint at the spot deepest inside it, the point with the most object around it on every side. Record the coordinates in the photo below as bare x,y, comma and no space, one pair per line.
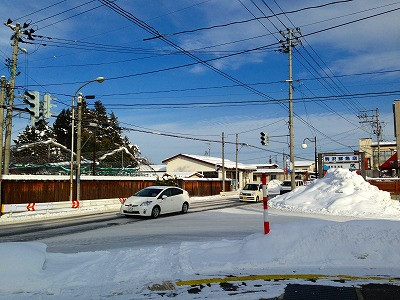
269,171
263,166
391,143
303,163
216,161
159,168
181,175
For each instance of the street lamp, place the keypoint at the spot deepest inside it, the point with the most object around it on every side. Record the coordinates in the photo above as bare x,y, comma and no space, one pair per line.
304,146
71,177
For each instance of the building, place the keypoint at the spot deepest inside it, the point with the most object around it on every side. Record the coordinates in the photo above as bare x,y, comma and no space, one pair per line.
272,170
304,168
210,167
370,148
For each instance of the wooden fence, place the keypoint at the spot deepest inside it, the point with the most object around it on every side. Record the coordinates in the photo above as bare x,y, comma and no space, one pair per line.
42,189
391,186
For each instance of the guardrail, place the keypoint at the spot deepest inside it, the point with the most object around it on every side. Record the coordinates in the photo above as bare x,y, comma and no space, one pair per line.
23,207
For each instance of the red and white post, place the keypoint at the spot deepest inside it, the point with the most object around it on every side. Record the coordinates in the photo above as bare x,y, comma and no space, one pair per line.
265,202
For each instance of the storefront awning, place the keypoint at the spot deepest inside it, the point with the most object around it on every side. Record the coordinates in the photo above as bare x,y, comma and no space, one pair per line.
391,163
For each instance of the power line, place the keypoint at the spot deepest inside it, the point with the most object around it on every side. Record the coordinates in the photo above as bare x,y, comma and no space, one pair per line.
245,102
244,21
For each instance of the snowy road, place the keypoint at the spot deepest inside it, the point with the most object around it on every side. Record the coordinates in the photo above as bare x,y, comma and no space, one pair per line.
205,222
49,228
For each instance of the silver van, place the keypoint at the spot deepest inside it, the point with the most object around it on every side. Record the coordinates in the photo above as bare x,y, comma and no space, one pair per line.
286,185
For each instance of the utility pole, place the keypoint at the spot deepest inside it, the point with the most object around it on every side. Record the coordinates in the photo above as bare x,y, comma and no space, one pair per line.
290,41
368,116
11,96
2,98
236,170
223,162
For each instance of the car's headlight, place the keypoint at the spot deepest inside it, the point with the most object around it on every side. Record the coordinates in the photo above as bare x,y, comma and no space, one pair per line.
145,203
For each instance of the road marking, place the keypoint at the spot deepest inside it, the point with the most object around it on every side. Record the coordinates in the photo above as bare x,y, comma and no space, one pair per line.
285,277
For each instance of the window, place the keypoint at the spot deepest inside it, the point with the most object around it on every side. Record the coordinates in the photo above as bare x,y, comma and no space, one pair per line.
167,192
175,191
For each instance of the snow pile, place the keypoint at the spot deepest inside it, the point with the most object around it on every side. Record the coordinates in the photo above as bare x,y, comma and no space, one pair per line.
340,192
274,186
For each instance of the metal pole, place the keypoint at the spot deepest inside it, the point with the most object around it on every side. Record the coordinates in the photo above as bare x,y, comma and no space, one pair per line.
78,149
315,156
7,148
378,137
292,171
265,202
236,170
223,162
71,178
94,152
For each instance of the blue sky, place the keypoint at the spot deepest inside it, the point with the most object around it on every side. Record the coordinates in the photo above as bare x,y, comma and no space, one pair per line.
89,39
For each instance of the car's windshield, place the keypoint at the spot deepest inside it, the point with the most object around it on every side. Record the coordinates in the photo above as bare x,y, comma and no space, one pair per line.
251,187
287,183
148,192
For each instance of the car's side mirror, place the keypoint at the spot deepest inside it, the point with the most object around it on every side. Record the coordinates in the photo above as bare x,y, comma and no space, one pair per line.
164,197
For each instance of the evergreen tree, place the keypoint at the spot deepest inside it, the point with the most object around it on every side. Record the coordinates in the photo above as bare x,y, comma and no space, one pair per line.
28,147
62,128
108,135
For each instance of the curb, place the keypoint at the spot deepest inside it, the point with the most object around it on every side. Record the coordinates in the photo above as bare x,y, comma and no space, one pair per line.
277,277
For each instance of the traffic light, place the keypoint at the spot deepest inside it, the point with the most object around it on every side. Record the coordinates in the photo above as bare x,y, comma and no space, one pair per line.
264,138
47,106
32,99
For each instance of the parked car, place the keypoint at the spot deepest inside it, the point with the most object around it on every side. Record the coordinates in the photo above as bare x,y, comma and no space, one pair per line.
251,192
156,200
286,185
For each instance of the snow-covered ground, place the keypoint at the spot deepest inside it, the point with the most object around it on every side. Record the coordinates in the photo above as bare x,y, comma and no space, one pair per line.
367,245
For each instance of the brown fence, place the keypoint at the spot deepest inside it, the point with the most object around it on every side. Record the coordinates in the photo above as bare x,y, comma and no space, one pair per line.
15,191
391,186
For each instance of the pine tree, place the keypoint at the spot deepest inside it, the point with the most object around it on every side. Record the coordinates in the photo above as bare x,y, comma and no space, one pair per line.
62,128
108,136
28,147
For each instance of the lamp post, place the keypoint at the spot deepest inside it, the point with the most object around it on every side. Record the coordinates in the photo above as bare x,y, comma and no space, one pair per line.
71,177
304,146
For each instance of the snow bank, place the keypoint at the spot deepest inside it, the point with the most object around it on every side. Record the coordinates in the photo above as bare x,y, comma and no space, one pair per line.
20,262
340,192
320,246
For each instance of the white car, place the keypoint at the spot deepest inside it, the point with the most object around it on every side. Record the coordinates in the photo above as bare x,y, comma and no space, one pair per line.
251,192
156,200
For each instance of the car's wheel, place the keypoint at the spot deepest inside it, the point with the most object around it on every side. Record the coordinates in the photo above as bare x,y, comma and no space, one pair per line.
257,199
185,207
155,213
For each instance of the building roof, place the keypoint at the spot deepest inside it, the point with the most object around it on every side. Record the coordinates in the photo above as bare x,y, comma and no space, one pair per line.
264,166
303,163
213,161
269,171
375,144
